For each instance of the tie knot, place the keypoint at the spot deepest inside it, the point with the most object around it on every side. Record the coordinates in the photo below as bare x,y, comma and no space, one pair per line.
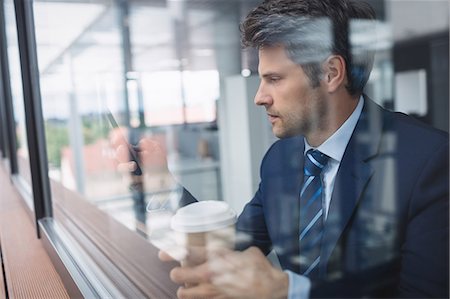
315,161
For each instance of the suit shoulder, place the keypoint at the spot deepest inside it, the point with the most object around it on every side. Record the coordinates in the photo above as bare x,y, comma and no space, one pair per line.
283,153
285,145
416,132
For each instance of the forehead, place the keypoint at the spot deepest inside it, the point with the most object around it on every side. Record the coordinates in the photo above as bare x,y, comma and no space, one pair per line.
274,58
273,52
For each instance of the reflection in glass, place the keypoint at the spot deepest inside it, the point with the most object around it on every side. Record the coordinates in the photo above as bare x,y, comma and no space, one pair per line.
130,89
102,81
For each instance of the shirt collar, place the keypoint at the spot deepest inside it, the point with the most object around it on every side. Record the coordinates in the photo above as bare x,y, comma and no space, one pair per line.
334,147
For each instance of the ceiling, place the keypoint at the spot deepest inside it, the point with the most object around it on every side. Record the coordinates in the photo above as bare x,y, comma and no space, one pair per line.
62,24
414,18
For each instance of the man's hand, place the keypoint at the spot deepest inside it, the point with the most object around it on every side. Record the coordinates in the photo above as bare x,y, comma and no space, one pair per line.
247,274
229,274
151,154
196,277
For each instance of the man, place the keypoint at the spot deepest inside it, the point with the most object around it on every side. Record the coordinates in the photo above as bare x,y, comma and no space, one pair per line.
353,199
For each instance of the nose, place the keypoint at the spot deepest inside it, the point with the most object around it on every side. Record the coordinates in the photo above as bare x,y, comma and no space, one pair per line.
262,97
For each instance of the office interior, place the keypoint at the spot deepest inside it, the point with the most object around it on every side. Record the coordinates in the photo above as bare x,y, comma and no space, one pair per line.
75,72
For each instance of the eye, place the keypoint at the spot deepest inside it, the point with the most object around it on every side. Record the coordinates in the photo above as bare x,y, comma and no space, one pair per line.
275,79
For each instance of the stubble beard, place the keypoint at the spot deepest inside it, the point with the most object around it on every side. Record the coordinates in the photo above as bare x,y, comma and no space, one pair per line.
291,125
312,121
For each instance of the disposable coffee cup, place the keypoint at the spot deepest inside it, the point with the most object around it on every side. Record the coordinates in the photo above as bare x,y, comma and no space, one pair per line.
204,226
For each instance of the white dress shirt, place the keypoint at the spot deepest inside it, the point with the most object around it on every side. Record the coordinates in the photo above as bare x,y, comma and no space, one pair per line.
334,147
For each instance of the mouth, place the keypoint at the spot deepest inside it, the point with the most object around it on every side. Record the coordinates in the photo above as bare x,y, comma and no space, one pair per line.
272,117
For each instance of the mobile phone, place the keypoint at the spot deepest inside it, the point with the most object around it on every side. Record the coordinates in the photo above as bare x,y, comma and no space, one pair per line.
133,149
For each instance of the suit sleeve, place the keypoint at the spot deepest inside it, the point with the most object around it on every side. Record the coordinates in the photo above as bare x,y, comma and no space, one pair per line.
424,254
186,198
251,226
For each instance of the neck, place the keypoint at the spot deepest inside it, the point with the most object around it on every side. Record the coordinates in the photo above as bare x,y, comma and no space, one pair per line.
338,111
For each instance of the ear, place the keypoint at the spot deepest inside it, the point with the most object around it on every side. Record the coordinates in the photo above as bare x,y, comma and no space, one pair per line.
334,73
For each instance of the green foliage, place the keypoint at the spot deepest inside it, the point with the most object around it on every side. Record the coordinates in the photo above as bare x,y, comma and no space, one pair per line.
94,129
57,137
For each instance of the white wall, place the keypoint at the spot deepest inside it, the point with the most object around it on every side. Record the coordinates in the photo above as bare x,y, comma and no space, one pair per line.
245,136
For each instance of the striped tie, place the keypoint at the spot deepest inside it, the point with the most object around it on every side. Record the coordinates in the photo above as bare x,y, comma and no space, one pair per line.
311,212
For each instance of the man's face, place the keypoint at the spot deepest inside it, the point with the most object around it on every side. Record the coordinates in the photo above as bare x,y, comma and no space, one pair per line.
292,105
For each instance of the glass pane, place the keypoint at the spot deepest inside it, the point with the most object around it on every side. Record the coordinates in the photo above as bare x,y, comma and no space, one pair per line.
98,94
88,88
81,73
130,90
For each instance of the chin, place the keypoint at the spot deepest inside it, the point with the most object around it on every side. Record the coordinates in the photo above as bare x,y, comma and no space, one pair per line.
286,133
281,134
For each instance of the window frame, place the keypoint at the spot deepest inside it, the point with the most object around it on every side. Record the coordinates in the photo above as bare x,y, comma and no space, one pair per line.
33,110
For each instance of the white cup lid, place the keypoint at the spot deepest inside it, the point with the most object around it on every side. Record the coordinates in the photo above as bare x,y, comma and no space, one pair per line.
203,216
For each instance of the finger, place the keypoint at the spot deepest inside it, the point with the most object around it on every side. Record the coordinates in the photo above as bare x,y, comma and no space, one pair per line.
254,251
164,256
240,258
149,148
219,265
225,261
117,136
152,153
122,153
148,144
190,275
127,167
220,252
203,291
227,282
196,254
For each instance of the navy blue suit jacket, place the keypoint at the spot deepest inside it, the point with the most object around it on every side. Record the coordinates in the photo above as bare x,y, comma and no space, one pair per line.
387,228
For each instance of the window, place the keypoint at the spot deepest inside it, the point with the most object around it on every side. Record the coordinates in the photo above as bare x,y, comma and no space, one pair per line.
169,72
100,79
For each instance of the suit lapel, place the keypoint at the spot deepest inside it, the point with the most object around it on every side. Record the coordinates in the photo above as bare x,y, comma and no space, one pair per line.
287,206
352,178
